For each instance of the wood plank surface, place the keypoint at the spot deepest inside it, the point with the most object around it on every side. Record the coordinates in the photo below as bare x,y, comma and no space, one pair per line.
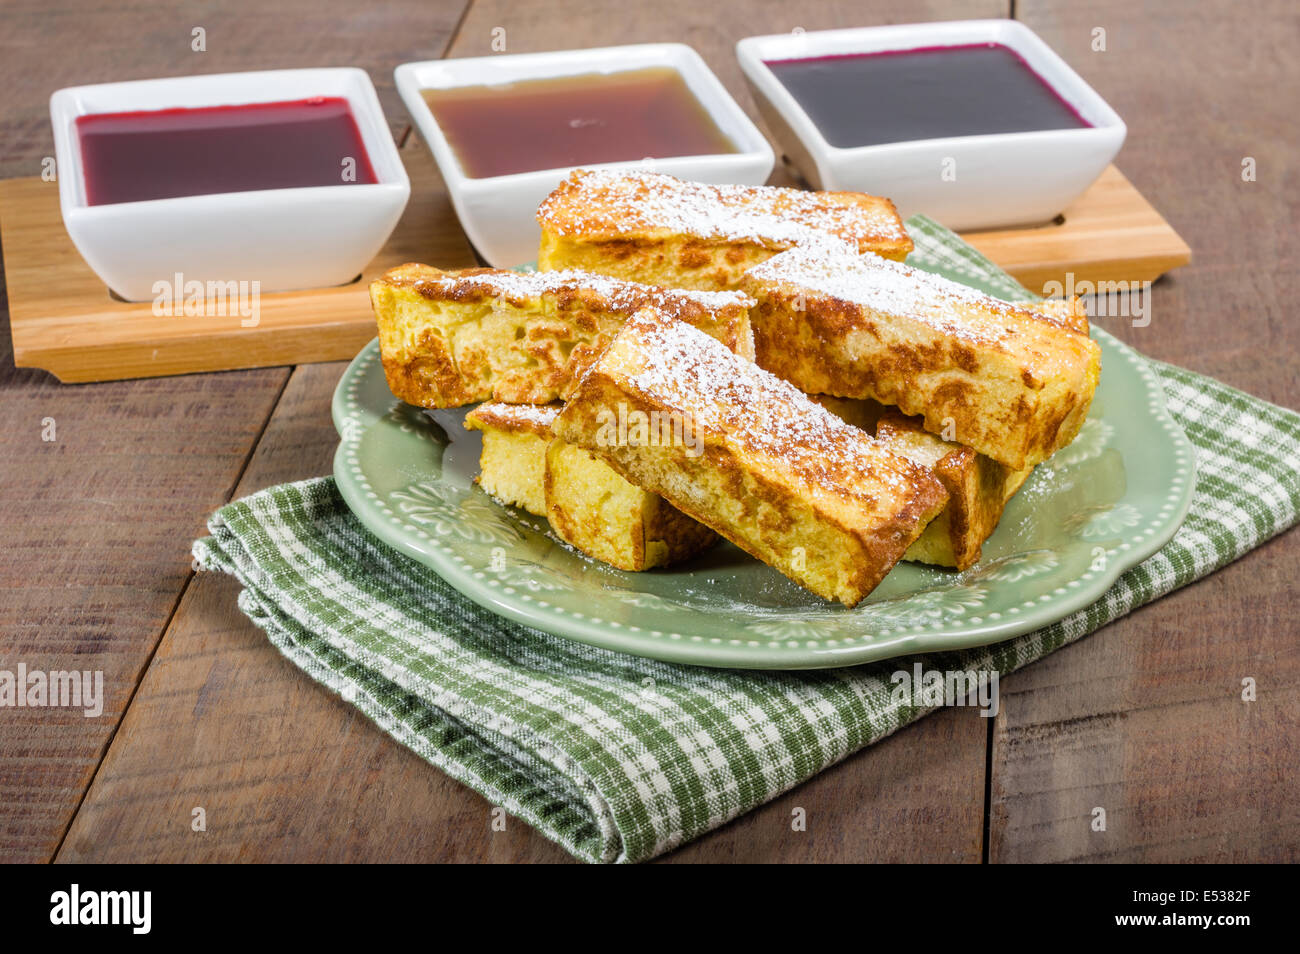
97,524
284,770
353,794
1145,718
49,44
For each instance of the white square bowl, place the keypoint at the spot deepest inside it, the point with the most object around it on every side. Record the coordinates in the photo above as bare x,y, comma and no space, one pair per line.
498,212
1001,179
284,239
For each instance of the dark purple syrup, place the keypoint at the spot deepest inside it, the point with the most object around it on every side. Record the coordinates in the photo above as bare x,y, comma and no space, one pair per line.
165,153
865,99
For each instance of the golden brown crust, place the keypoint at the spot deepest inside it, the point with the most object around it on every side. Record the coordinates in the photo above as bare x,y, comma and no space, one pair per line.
674,262
453,338
1013,383
1069,312
616,204
593,508
978,490
535,419
663,230
862,413
777,475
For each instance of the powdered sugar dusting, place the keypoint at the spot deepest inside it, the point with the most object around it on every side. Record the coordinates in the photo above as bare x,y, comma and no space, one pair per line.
607,201
540,414
618,294
685,369
836,270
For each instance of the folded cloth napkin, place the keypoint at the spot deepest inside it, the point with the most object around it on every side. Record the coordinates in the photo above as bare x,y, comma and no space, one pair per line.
620,758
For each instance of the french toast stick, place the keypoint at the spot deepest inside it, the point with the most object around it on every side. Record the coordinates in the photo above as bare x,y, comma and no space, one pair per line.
751,457
512,463
978,486
663,230
1011,382
586,502
453,338
978,490
593,508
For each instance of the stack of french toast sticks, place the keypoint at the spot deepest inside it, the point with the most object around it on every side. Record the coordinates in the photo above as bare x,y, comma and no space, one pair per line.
694,361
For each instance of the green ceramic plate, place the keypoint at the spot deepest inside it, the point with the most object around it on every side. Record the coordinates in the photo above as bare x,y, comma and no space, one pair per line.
1096,508
1104,503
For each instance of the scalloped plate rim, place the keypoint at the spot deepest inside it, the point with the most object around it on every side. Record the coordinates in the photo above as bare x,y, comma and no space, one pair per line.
776,654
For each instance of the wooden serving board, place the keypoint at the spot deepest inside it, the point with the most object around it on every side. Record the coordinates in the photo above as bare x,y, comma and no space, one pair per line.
64,320
1109,234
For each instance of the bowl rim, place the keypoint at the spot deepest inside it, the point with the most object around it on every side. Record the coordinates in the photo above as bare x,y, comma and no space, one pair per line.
752,148
754,53
204,89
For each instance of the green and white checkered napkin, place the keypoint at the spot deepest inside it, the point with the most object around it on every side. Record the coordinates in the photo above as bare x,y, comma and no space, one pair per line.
570,738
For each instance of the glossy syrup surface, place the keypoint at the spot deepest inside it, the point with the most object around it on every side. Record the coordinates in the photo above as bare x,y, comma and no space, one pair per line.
166,153
577,120
866,99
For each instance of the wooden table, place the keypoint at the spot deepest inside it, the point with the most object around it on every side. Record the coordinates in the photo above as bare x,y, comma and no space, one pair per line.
1143,718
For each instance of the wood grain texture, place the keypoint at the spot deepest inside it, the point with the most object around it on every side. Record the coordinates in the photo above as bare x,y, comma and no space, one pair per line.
96,527
1145,718
1201,87
49,45
351,794
64,321
1111,233
97,524
284,770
